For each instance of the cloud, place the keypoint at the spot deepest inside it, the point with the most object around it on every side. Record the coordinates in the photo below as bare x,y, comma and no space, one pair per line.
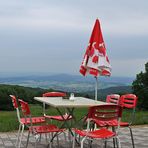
116,20
34,33
128,67
41,18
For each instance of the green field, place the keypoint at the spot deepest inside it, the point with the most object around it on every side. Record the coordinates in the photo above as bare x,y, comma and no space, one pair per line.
8,119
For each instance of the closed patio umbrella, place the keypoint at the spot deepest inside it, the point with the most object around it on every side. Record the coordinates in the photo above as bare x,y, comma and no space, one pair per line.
95,61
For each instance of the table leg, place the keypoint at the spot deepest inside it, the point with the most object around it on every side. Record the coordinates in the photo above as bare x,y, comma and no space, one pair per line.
65,123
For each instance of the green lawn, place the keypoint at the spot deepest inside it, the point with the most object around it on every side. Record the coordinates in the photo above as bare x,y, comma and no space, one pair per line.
8,119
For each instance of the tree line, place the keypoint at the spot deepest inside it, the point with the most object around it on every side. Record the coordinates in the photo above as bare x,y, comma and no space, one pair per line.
140,88
21,92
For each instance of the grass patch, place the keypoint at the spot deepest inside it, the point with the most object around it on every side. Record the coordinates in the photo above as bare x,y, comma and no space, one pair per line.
9,122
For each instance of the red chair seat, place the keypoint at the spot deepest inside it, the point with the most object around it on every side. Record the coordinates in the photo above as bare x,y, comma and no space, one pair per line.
101,133
45,129
59,118
35,120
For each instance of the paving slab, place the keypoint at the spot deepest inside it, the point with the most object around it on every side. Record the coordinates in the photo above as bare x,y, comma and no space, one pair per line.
7,140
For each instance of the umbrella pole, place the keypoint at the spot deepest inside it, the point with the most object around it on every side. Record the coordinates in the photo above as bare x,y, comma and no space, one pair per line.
96,89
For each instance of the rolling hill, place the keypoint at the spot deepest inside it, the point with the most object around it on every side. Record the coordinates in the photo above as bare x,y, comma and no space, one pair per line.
69,83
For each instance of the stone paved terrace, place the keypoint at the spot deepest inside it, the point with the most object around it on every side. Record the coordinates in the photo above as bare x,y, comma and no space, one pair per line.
7,140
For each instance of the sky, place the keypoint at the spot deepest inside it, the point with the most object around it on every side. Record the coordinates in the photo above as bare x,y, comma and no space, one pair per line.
50,36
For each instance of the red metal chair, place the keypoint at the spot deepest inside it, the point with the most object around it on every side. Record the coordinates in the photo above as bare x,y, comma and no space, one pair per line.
23,121
113,98
36,130
103,113
128,101
58,117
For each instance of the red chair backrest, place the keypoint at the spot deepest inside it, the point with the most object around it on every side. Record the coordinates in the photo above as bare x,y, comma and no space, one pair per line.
113,98
54,94
128,101
25,108
14,101
105,112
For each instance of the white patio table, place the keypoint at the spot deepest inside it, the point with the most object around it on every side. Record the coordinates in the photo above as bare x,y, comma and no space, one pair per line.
59,103
70,105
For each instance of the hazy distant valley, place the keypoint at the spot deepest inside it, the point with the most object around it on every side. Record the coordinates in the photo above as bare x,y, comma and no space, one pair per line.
69,83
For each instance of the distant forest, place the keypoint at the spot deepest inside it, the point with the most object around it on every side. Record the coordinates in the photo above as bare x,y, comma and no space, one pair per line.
25,93
28,93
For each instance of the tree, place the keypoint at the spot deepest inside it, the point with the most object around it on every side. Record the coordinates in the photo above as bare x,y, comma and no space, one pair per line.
140,88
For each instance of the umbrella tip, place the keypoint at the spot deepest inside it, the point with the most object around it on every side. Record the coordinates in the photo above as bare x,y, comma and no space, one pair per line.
97,20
